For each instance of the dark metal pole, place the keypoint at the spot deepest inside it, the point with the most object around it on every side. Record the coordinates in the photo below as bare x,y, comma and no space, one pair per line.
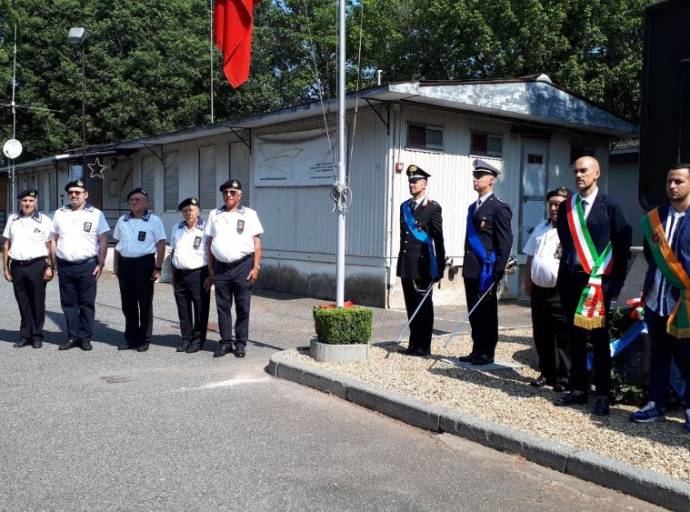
83,111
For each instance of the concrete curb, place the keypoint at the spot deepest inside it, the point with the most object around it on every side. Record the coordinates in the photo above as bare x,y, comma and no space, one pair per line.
647,485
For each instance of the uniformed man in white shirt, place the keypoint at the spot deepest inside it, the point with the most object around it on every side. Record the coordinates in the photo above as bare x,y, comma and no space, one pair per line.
79,231
234,257
549,326
139,251
27,250
190,275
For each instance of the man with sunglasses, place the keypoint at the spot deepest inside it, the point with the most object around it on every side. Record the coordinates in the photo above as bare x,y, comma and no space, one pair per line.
234,257
80,231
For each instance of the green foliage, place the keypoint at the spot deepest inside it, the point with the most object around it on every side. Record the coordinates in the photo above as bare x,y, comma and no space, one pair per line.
147,63
343,326
625,393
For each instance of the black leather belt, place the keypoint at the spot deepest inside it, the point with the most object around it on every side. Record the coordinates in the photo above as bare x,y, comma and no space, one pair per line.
222,264
188,270
149,255
68,263
24,263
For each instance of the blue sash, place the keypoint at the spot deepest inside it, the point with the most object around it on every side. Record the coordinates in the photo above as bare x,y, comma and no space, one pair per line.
487,275
423,237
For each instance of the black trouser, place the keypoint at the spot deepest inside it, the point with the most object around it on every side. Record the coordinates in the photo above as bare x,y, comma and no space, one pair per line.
423,324
231,282
192,303
484,320
30,292
570,286
665,347
78,296
136,293
550,335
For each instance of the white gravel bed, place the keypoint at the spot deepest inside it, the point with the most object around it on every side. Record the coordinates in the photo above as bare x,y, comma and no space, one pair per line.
505,397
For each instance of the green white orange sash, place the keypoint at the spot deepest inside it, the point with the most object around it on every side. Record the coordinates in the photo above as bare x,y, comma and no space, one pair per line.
590,312
678,324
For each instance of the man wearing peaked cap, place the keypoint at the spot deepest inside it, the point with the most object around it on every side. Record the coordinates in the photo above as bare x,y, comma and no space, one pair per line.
421,259
190,275
80,231
140,250
26,258
488,240
234,260
549,327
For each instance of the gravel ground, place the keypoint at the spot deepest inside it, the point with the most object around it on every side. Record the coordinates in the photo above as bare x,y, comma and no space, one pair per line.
505,397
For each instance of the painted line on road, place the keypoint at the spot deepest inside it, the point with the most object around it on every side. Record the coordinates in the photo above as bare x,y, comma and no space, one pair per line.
236,381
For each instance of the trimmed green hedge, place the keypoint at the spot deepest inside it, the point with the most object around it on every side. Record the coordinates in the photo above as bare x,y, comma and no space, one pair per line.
343,326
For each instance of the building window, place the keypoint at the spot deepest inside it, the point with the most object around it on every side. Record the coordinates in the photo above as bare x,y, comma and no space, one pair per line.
424,137
207,177
580,150
486,145
170,180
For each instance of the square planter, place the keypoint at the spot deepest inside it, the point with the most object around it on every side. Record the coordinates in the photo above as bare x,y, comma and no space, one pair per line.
329,353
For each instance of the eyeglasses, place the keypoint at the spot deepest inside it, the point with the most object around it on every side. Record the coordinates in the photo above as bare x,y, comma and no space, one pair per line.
230,192
75,192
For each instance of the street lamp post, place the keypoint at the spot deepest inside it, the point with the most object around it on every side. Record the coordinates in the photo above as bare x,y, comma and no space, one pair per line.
78,35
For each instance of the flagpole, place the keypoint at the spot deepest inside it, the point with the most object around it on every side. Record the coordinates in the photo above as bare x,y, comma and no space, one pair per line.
340,256
211,1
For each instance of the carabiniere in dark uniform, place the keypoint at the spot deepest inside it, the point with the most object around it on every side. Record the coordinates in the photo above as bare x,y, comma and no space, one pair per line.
421,259
488,241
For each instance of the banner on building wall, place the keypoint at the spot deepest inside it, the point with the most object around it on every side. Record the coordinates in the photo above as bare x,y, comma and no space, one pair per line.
295,159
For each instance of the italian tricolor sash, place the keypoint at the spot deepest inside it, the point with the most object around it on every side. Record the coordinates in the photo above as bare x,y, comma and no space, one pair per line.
590,312
678,324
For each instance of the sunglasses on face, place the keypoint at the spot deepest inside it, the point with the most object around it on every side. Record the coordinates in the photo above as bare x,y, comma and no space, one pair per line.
230,192
75,192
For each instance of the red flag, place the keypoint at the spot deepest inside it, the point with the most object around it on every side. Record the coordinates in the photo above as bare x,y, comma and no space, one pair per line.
232,26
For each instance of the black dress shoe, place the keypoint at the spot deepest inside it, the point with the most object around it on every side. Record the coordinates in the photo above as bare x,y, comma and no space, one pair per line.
69,344
225,348
539,382
128,346
195,347
37,343
86,345
184,346
143,347
571,398
23,343
481,360
559,388
408,351
468,358
239,350
601,407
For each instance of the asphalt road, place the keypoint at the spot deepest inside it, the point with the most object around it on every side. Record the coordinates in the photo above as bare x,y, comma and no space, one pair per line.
108,430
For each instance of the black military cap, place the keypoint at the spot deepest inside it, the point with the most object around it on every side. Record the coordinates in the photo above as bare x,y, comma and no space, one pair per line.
480,166
138,190
190,201
75,183
560,192
29,192
415,172
230,184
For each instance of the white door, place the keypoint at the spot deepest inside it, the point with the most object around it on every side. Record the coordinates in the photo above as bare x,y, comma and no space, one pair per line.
534,187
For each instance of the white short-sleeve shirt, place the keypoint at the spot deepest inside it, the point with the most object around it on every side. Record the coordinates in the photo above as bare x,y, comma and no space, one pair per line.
189,245
77,232
545,248
233,233
138,236
28,235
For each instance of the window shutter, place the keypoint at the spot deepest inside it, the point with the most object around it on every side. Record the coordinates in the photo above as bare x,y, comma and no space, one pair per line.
171,178
239,168
148,179
207,177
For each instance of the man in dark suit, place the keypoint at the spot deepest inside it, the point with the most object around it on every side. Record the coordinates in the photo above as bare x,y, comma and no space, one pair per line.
488,241
597,268
421,259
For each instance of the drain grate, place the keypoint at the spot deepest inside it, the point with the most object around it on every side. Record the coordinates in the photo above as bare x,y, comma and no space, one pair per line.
115,379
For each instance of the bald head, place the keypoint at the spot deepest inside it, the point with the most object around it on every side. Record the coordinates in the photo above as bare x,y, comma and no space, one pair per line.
587,172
